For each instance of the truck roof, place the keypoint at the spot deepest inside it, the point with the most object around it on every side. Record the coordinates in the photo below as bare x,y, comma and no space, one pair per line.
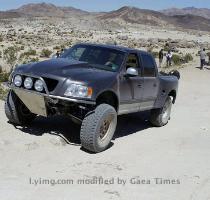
116,47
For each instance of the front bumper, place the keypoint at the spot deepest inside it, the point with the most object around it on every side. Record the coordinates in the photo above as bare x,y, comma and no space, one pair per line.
36,102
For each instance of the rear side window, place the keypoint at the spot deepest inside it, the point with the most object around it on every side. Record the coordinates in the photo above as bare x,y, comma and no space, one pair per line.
148,65
77,53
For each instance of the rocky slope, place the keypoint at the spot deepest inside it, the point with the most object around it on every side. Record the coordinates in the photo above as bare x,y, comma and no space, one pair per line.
203,12
10,14
135,15
50,10
150,17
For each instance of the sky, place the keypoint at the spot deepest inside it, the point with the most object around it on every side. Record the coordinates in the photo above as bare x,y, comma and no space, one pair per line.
108,5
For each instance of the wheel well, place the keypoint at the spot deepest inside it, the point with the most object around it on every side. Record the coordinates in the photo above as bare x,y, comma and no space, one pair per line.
108,98
173,94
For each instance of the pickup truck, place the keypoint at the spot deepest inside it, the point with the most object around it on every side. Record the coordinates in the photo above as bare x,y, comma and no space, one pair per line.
92,84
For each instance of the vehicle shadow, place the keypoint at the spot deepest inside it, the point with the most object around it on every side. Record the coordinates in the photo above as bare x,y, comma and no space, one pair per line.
132,123
59,126
205,67
70,132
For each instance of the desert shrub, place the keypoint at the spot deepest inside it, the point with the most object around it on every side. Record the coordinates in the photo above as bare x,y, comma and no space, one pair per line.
155,54
4,77
46,53
22,56
199,53
34,60
56,48
63,46
31,52
69,44
1,69
0,54
1,38
150,49
176,59
30,60
28,53
3,93
188,57
10,55
166,47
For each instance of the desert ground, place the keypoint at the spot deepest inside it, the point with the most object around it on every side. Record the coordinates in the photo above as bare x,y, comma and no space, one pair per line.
172,162
23,40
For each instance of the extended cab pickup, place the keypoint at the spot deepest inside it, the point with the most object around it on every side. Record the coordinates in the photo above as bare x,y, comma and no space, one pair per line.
92,84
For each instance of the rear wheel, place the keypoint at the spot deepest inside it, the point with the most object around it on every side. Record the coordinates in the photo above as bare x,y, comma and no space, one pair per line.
160,117
16,111
98,128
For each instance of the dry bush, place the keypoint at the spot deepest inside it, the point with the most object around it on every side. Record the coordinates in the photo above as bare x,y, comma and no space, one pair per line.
46,53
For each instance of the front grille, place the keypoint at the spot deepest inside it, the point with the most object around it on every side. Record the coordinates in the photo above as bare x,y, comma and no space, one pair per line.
51,83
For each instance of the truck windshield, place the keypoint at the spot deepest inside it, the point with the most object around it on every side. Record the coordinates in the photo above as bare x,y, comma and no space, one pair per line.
98,57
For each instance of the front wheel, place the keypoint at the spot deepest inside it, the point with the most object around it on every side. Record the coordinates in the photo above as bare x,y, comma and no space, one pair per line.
98,128
16,111
160,117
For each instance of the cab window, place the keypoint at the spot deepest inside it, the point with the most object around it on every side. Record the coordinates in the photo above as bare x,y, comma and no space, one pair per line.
148,65
132,61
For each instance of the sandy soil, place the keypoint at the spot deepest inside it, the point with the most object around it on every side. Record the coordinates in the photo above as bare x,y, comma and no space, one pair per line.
179,153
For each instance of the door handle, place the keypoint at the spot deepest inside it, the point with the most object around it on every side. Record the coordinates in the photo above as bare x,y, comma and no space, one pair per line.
139,85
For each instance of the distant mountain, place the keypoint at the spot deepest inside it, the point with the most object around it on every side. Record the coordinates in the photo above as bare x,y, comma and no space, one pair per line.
136,15
150,17
9,14
191,22
203,12
47,10
187,18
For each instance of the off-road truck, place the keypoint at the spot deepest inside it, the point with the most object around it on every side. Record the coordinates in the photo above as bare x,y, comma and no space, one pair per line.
92,84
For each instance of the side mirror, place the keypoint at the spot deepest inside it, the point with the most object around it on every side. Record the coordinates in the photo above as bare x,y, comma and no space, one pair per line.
132,72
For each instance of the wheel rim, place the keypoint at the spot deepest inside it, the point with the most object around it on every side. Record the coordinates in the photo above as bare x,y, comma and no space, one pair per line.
105,127
166,113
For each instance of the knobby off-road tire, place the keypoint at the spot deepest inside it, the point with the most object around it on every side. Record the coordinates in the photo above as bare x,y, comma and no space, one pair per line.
16,111
98,128
160,117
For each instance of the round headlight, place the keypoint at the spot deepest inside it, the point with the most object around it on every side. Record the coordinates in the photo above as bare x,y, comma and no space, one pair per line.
39,86
28,83
18,80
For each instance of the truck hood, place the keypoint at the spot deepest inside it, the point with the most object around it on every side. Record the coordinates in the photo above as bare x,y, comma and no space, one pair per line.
63,68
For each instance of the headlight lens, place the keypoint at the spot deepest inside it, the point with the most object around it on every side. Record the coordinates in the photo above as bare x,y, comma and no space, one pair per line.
39,86
18,80
28,83
81,91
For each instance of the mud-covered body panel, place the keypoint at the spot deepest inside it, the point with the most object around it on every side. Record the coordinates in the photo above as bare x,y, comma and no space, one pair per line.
167,84
67,71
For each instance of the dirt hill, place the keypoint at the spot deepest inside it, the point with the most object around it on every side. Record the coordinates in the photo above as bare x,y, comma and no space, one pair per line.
50,10
203,12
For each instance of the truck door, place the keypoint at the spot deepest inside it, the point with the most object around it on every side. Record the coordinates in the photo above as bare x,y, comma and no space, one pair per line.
151,81
131,88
